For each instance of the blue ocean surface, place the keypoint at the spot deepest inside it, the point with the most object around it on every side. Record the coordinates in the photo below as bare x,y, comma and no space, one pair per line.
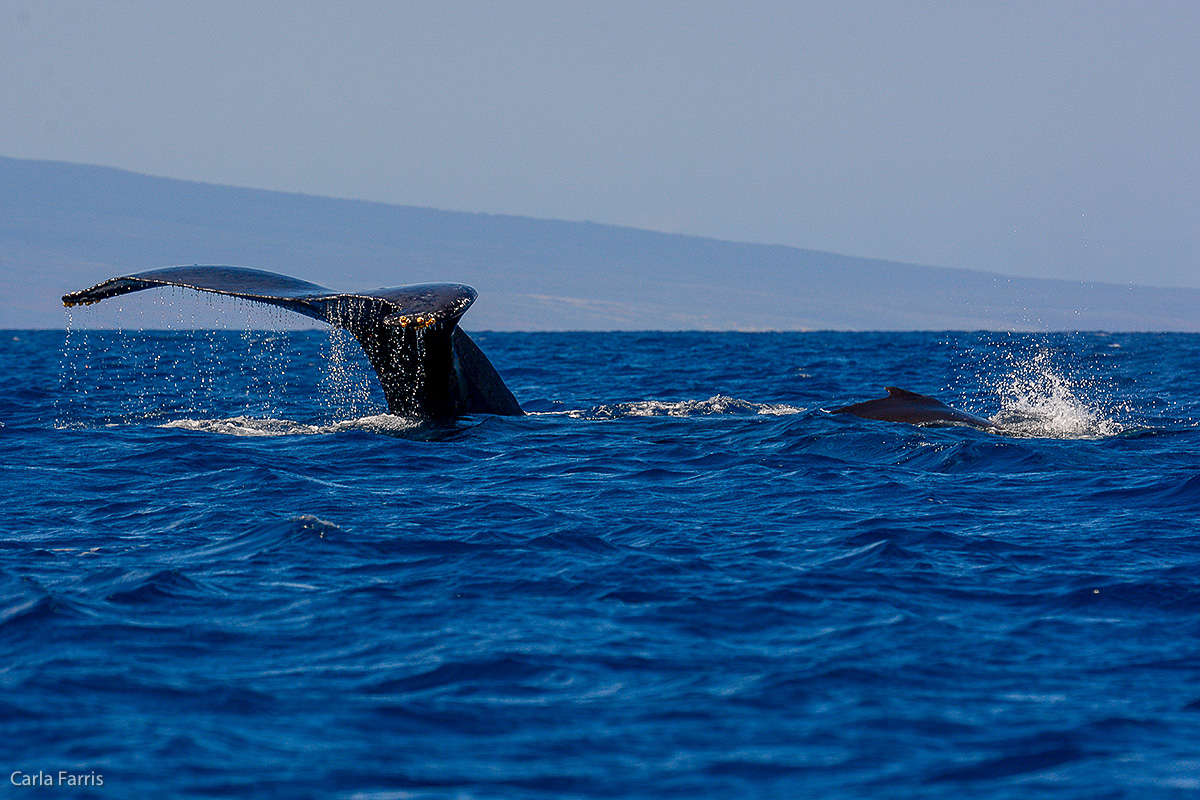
225,571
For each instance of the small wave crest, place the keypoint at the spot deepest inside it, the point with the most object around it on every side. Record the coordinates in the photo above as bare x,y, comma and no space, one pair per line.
1038,400
303,531
253,426
718,404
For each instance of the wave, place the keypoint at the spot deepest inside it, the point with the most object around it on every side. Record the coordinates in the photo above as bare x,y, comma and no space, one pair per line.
303,530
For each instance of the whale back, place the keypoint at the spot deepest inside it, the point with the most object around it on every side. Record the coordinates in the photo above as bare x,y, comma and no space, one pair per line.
901,405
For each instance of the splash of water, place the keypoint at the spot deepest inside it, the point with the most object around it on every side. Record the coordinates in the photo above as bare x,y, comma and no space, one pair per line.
192,374
1038,399
347,383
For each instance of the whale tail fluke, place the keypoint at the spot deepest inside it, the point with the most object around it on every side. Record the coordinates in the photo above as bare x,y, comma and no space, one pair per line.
428,367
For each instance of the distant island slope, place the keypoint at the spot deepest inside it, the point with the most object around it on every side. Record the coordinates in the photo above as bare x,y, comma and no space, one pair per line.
66,226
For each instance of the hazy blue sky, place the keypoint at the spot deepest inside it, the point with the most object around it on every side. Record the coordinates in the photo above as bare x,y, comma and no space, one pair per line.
1058,139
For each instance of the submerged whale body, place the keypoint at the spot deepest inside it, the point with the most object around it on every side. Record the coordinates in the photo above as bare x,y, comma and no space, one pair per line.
428,367
902,405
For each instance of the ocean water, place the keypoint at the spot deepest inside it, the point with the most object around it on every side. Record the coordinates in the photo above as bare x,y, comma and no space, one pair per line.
226,572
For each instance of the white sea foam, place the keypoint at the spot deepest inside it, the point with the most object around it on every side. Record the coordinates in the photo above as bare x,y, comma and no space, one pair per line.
718,404
253,426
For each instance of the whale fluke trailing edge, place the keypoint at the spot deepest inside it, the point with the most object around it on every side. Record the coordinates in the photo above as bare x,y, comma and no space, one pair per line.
902,405
428,367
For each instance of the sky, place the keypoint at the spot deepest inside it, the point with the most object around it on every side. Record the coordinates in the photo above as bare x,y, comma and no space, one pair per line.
1057,139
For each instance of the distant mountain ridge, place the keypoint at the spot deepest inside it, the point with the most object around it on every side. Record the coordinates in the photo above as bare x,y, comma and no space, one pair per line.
65,226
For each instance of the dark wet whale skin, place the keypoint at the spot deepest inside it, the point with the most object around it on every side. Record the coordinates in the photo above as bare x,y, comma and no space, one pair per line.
902,405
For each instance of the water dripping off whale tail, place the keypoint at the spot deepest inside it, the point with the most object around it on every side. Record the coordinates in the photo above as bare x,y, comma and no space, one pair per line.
429,368
901,405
